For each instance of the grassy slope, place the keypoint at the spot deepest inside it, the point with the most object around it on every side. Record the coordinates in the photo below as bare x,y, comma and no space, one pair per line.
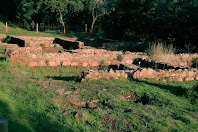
30,101
27,100
15,30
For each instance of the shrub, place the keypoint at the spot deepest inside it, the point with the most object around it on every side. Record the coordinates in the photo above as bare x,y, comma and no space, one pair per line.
160,52
195,61
62,49
119,57
55,46
102,66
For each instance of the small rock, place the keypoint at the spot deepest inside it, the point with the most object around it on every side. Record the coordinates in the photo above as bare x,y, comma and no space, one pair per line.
74,64
33,64
84,64
42,63
52,63
68,92
94,64
122,98
60,91
81,115
67,63
111,71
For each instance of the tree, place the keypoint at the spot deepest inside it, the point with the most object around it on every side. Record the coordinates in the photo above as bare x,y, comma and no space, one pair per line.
61,8
98,8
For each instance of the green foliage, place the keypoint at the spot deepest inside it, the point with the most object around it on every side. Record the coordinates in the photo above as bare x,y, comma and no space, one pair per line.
55,46
62,49
119,57
102,66
2,50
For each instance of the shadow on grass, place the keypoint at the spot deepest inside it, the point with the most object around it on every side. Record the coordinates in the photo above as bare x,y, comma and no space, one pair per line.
34,122
176,90
43,123
72,78
13,125
2,58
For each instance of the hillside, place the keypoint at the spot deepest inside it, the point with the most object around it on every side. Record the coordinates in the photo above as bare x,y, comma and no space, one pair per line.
50,99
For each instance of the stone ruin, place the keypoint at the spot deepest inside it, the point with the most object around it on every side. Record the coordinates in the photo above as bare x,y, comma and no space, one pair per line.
48,44
164,75
32,51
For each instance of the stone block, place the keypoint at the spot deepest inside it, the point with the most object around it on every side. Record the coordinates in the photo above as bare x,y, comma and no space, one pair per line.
66,63
74,64
42,63
33,64
52,63
84,64
93,64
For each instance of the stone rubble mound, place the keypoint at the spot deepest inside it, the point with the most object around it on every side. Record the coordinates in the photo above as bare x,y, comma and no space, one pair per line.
165,75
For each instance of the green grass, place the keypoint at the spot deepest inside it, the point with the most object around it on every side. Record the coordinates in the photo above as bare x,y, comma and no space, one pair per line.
28,99
31,99
15,30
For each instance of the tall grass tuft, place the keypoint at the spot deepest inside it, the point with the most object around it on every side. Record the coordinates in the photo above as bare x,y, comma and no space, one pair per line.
161,52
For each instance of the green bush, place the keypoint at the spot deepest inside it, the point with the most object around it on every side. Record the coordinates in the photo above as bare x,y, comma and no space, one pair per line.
102,66
55,46
119,57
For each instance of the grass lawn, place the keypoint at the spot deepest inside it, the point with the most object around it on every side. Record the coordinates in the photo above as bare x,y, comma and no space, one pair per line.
50,99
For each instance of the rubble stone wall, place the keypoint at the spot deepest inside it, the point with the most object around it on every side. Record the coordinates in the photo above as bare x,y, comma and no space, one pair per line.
85,58
32,41
68,44
2,37
5,45
165,75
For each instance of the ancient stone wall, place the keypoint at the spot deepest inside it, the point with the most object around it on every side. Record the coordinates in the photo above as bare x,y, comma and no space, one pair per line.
15,40
5,45
93,57
68,44
167,75
25,50
32,41
2,37
182,59
85,58
164,75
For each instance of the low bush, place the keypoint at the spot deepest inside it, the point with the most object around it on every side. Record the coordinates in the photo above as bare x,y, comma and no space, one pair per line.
119,57
102,66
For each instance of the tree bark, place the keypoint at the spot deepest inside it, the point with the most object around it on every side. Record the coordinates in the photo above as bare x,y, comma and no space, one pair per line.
92,25
93,21
62,22
95,17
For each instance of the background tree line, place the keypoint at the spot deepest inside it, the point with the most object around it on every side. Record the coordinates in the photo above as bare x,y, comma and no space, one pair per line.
170,21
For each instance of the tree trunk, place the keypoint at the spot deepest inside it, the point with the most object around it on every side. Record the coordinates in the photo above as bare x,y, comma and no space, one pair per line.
92,25
93,21
62,22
